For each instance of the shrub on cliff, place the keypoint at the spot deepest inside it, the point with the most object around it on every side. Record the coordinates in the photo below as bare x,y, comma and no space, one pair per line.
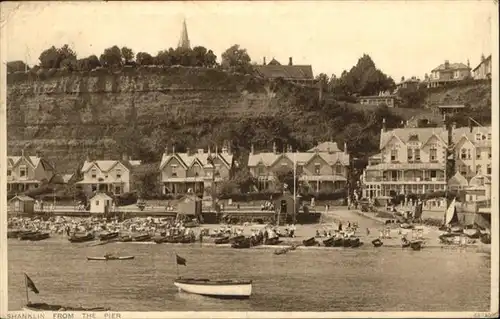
55,58
237,59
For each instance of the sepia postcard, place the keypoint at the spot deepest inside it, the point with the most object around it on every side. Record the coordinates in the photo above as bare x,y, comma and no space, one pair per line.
249,159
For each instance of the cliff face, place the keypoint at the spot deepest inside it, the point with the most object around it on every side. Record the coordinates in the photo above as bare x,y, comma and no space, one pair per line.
68,114
140,111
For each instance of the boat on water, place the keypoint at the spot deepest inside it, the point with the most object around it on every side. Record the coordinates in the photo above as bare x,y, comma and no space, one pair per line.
142,238
225,289
243,243
108,236
377,242
222,240
106,258
81,239
310,242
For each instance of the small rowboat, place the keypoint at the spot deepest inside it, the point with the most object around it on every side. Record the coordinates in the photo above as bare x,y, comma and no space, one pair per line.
105,258
222,240
125,239
108,236
81,239
243,243
377,242
39,236
47,307
416,244
142,238
226,289
27,235
310,242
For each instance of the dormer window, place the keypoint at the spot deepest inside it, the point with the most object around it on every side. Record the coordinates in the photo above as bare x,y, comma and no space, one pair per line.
394,155
94,173
338,169
118,173
9,172
478,136
433,154
173,170
463,153
417,154
22,171
410,154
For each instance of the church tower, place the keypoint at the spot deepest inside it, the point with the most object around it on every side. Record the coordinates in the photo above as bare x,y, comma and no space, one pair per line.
184,40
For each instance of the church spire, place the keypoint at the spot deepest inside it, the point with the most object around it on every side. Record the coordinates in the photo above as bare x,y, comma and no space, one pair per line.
184,40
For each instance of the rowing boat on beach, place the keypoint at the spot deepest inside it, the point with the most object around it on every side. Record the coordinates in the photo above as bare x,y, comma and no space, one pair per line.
224,289
106,258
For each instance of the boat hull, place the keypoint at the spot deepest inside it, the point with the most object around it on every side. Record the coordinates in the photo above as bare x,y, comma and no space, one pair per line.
216,289
110,259
36,307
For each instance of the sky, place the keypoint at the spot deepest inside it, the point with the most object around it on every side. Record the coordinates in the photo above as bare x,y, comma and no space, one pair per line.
404,38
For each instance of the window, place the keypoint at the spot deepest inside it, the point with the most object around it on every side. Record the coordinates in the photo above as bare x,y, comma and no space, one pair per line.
94,173
410,154
394,155
489,136
478,136
469,156
489,154
417,154
22,171
463,153
394,175
174,170
118,173
463,170
338,170
478,155
433,174
433,154
118,190
488,169
217,169
97,203
9,172
317,169
8,187
94,187
260,170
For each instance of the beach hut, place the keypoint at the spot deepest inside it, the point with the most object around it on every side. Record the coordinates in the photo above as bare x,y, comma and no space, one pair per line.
100,204
22,204
190,205
284,205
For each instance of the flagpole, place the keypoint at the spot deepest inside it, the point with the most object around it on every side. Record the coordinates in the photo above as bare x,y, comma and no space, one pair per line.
294,185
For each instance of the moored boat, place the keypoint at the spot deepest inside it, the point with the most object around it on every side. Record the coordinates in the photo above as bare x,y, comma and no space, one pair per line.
39,236
81,239
227,289
355,242
125,239
377,242
243,243
108,236
273,241
310,242
142,238
106,258
222,240
27,235
416,244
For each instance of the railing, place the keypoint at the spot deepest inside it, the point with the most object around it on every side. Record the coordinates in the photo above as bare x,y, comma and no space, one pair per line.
404,179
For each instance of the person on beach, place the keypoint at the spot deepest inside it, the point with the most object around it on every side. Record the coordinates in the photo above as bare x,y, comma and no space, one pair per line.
367,231
340,226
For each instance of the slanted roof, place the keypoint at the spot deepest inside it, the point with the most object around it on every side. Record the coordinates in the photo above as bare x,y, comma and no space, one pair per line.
454,106
425,133
32,160
269,158
294,72
22,198
107,165
451,66
202,158
482,62
329,147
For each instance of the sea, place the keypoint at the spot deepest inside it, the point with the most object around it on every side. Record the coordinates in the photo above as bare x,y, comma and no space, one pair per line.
362,279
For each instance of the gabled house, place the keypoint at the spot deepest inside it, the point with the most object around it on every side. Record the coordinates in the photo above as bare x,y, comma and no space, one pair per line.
181,172
322,168
113,176
27,172
448,73
483,70
300,74
412,160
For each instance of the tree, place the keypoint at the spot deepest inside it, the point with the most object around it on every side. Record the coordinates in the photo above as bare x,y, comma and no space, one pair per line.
165,57
53,57
143,58
88,63
111,57
199,54
127,55
244,180
285,177
210,59
236,58
323,81
17,66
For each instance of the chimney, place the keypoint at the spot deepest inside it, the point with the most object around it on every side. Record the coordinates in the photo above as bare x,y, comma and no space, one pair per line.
188,151
470,125
124,157
264,61
173,149
39,154
224,150
446,64
22,152
384,127
454,125
402,123
406,123
251,147
166,150
200,151
275,150
208,150
216,149
88,158
290,61
345,147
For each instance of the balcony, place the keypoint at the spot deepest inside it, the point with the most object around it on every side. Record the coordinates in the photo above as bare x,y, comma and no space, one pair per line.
405,179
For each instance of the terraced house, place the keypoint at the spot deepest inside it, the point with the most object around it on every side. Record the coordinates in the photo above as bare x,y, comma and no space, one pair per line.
412,160
112,176
322,168
27,172
181,172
